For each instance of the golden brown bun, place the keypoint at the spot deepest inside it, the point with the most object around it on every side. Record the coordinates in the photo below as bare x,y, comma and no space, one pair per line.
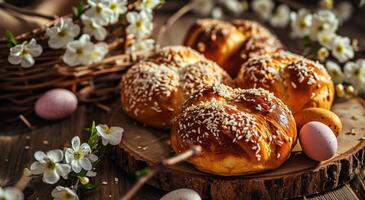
231,43
240,131
153,91
297,81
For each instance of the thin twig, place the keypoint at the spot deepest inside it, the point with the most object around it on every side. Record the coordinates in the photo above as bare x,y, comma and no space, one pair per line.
181,12
26,122
195,150
26,11
22,183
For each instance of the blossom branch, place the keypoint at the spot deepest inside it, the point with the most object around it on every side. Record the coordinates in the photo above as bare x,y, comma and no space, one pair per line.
194,150
26,11
181,12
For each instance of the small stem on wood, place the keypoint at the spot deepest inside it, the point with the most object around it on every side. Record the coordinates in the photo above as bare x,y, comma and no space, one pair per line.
195,150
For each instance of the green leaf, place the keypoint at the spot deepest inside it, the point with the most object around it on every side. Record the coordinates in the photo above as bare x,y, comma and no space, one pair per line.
94,138
143,172
10,39
86,187
78,10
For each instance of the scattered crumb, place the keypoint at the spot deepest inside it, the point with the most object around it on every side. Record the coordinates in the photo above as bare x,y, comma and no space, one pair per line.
26,147
362,138
27,137
110,196
352,132
45,142
116,179
6,160
144,148
104,183
354,118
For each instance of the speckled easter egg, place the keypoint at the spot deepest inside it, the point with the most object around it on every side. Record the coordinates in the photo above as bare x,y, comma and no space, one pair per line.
318,141
183,194
56,104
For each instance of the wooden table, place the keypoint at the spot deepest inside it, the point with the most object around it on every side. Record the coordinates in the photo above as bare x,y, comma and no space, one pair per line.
18,143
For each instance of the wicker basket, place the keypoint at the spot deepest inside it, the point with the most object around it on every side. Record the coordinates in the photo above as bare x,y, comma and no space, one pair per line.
20,87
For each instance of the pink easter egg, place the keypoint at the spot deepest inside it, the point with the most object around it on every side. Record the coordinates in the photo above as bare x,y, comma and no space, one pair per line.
56,104
318,141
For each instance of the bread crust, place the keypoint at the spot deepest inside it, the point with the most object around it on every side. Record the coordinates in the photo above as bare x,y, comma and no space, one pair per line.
240,131
153,91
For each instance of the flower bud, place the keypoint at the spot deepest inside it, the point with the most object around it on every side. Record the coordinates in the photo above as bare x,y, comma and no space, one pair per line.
84,180
350,89
340,92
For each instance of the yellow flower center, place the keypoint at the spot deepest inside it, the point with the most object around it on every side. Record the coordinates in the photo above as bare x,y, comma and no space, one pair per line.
340,48
79,51
67,196
139,24
50,165
98,9
113,6
62,33
302,24
357,72
107,130
78,155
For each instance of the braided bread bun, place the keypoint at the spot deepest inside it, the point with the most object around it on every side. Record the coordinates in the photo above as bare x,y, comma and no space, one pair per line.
240,131
300,83
231,44
153,91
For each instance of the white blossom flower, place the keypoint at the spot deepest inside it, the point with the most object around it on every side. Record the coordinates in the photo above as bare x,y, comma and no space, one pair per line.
112,135
142,45
49,165
92,28
118,7
355,73
79,156
11,193
235,6
322,54
341,48
79,51
203,7
323,21
281,16
301,22
343,11
99,11
149,5
263,8
334,70
140,24
91,173
99,51
326,39
23,53
62,33
64,193
217,12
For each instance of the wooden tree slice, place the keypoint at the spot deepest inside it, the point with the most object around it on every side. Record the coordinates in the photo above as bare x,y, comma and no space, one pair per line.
298,176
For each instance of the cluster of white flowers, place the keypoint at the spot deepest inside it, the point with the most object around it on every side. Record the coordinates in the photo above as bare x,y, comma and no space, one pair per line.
82,51
55,164
353,75
11,193
141,25
321,27
215,8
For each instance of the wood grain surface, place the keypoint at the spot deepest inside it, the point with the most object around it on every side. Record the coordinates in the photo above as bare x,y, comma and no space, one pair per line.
18,143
